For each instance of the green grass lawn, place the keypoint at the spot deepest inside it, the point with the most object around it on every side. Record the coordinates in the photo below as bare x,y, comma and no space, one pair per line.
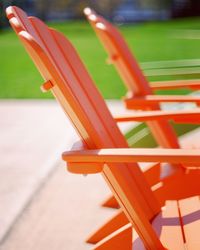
149,41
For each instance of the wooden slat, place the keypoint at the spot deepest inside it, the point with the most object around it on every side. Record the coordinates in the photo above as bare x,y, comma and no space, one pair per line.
114,155
179,116
22,18
190,213
191,84
141,102
87,85
168,226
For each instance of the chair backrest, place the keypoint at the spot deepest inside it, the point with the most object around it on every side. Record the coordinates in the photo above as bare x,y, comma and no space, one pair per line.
131,74
59,63
119,54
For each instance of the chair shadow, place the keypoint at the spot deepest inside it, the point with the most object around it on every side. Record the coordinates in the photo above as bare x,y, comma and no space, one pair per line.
159,222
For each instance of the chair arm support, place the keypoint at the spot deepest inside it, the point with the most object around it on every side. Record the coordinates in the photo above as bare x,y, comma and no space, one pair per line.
150,100
191,84
178,116
129,155
82,167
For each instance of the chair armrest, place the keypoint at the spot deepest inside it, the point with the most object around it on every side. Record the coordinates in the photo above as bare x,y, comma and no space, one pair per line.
191,84
151,100
178,116
130,155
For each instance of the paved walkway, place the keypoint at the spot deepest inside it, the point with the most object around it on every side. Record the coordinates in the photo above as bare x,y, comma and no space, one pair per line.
33,133
34,185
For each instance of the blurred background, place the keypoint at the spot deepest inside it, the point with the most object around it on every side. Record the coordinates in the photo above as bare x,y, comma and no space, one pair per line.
155,31
116,10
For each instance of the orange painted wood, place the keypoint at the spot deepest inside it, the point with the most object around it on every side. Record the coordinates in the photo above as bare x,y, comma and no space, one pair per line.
120,239
190,213
117,155
148,100
178,186
82,168
190,84
152,173
46,86
110,202
178,116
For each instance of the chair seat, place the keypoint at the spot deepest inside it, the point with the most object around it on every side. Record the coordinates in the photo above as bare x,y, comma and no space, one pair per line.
177,225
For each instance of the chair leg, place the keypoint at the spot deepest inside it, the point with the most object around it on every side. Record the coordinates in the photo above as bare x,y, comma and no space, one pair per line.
110,202
151,172
116,222
120,239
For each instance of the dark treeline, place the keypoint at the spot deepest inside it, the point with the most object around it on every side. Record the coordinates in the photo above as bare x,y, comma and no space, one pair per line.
111,9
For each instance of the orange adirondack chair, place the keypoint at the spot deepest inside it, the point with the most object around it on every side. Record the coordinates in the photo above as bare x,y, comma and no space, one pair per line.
70,83
140,92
